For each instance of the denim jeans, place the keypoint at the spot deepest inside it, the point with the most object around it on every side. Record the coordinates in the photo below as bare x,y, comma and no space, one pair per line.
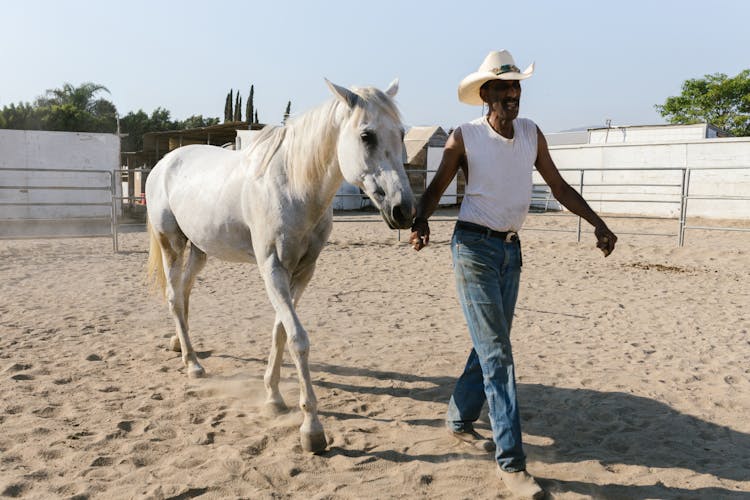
487,272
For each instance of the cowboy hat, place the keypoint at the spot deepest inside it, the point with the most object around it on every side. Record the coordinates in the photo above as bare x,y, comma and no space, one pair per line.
498,65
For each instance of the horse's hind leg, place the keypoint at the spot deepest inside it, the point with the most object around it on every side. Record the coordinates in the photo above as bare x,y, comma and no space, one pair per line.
195,262
274,400
178,285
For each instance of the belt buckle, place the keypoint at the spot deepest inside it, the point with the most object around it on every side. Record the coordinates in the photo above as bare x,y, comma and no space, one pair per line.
511,236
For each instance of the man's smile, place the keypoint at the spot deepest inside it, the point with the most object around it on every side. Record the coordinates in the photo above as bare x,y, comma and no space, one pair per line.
510,103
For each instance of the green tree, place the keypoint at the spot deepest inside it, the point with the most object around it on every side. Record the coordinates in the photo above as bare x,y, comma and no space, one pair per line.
78,109
197,121
237,108
133,126
161,120
249,107
69,108
23,116
65,117
288,111
228,113
139,123
716,99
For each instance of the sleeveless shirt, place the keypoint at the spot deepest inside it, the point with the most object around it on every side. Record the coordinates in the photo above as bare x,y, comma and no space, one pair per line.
498,188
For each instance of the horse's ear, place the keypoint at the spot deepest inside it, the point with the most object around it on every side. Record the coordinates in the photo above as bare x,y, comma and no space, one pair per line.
392,89
345,95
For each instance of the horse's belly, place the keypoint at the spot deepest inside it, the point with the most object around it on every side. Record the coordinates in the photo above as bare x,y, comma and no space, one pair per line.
226,243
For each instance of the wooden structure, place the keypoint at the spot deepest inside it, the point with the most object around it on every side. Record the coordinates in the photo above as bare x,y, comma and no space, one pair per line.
417,141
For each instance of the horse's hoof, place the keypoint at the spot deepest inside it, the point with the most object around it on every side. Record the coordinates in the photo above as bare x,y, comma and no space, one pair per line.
174,344
196,371
275,408
314,442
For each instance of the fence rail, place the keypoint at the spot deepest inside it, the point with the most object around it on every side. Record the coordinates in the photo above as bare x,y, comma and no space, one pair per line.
75,184
679,197
676,193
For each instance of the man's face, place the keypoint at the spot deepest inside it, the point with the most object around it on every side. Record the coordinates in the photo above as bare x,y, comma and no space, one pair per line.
503,97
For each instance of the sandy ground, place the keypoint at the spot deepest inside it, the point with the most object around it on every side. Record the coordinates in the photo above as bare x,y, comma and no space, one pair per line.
634,372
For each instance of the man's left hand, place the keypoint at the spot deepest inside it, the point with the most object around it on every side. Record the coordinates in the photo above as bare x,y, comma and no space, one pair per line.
605,239
420,234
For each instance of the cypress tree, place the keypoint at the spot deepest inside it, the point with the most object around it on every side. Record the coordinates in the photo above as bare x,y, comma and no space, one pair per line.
249,106
238,108
256,117
228,107
288,111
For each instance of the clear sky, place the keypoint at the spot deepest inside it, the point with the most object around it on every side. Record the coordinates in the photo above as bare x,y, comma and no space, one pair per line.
595,60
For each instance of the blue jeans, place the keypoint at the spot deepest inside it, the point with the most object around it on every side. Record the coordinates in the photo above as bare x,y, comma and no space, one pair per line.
487,272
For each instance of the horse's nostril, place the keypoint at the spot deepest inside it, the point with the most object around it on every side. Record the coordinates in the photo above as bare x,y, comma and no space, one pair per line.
398,213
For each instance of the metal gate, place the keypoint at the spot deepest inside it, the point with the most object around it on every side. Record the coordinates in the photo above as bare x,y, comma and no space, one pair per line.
58,203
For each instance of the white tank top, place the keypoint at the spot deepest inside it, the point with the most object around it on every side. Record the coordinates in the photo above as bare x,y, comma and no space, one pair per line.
498,189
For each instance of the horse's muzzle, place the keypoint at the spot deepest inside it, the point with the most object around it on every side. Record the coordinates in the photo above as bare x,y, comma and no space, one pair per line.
399,217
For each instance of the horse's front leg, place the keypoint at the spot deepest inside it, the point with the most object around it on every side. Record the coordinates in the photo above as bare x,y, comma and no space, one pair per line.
278,286
274,400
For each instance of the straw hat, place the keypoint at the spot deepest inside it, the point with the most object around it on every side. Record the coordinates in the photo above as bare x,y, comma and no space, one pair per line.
498,65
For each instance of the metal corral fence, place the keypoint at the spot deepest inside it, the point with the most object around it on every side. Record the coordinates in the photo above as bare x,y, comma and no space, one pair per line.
133,203
675,191
606,195
709,197
57,203
69,194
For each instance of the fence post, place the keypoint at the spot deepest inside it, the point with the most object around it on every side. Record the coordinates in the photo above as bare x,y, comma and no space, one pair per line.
681,222
580,188
113,217
683,206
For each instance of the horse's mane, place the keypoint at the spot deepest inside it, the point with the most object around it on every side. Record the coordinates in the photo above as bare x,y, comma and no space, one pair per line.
306,142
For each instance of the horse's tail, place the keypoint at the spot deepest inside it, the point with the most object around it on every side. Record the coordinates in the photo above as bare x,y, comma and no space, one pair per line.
155,268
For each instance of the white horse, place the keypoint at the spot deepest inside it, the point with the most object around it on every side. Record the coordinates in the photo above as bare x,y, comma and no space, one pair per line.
271,204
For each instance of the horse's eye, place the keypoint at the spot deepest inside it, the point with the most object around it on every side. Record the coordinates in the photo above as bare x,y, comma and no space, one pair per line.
369,139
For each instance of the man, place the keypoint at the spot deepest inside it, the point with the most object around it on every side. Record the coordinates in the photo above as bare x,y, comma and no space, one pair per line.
496,153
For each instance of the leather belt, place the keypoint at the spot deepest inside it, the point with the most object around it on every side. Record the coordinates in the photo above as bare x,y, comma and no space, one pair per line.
507,236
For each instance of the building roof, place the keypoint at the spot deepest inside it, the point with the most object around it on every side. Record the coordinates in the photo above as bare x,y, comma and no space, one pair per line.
214,134
157,144
419,138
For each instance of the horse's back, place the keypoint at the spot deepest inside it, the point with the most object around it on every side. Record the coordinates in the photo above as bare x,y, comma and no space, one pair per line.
197,190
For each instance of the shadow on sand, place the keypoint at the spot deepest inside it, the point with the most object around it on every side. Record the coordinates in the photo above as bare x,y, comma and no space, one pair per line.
607,427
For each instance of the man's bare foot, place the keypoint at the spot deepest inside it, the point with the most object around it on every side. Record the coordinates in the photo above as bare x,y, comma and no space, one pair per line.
522,484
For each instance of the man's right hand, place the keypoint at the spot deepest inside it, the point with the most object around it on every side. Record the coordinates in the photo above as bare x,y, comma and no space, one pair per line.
420,234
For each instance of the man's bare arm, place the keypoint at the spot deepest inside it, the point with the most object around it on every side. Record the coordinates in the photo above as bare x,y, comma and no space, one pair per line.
570,198
454,155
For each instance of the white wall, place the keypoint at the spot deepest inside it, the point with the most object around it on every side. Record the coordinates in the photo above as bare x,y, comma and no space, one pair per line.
716,154
33,149
245,138
657,192
656,133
